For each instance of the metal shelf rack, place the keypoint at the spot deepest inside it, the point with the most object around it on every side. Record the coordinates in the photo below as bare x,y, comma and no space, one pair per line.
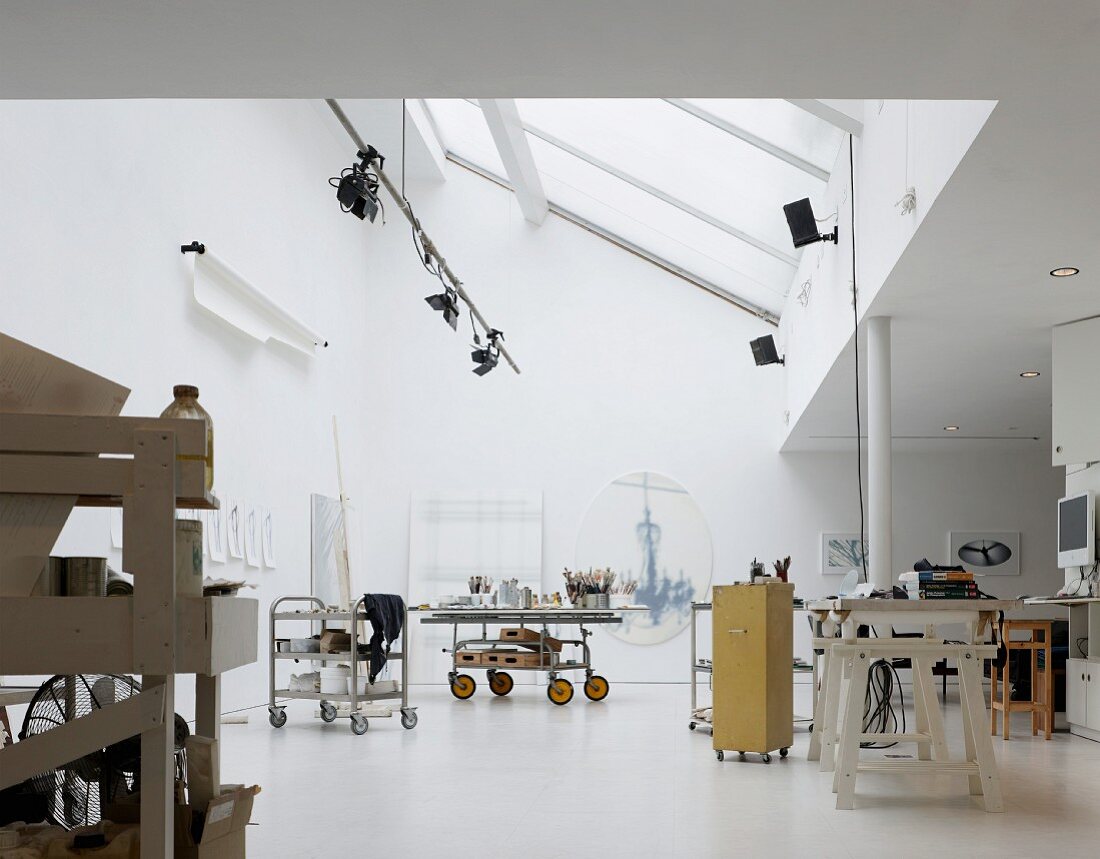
353,619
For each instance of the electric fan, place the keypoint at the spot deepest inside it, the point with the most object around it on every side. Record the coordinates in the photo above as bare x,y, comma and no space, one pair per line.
76,792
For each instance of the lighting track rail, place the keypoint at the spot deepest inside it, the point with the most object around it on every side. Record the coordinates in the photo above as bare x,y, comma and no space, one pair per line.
374,162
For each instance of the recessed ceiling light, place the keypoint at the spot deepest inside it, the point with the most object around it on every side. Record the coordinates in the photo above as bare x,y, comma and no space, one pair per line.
1065,271
1029,374
951,428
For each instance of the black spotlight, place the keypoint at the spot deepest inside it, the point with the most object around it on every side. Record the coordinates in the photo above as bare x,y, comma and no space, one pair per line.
800,218
447,303
357,187
764,351
488,357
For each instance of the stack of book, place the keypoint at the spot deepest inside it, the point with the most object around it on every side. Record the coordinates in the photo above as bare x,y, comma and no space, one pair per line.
940,585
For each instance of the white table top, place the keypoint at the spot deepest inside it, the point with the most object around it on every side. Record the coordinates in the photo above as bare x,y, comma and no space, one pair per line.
511,612
1066,601
864,604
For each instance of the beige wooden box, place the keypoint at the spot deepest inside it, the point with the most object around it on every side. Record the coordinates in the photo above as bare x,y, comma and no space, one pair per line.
753,679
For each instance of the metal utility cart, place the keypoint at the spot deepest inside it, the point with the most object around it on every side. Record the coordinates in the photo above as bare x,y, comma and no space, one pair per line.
319,613
698,666
538,653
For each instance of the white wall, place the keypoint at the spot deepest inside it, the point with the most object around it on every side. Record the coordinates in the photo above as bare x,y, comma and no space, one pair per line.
624,366
939,133
97,198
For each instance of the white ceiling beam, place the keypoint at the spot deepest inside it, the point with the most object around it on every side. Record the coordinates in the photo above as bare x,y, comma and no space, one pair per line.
641,185
627,245
427,134
506,127
823,110
750,138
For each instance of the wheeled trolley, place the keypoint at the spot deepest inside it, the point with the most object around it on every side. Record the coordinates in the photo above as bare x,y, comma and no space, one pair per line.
537,650
318,613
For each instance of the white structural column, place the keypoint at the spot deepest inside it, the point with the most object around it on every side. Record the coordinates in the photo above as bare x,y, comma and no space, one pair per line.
506,127
880,514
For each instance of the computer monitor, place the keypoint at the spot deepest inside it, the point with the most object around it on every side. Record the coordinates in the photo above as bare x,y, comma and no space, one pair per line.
1076,530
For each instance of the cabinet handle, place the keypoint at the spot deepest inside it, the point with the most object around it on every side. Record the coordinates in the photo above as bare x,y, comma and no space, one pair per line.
738,631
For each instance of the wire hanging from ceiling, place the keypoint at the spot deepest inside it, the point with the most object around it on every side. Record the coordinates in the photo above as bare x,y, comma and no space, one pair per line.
855,319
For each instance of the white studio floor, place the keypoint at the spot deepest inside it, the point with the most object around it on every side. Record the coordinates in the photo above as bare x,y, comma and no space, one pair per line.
518,776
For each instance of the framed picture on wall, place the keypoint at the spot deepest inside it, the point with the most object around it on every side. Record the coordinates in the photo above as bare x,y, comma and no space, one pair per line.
988,553
841,553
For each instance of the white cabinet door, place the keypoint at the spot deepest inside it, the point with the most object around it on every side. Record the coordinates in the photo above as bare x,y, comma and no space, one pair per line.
1092,695
1075,412
1077,689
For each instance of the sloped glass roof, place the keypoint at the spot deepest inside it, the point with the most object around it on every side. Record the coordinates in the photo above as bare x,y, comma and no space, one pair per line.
699,184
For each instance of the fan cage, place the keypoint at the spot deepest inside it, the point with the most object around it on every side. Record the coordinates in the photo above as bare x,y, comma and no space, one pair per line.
77,791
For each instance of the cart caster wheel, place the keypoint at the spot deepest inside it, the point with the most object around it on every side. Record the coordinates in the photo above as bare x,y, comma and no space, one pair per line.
463,686
767,758
408,719
596,688
359,725
560,691
691,726
741,755
810,729
784,752
328,712
721,755
277,716
501,682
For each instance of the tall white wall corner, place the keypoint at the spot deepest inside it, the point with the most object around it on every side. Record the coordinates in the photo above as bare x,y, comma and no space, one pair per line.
880,514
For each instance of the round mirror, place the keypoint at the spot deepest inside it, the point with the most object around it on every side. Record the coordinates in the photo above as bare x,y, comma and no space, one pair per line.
647,529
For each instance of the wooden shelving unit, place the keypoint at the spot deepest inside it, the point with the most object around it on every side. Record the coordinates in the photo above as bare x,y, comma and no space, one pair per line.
152,633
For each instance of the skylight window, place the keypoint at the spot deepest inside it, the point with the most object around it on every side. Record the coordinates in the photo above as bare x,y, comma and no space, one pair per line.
698,184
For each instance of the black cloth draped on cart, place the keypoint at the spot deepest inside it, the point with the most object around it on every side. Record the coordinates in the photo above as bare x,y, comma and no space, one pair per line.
386,613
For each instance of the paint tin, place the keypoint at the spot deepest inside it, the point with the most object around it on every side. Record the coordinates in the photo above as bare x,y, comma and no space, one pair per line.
85,577
188,558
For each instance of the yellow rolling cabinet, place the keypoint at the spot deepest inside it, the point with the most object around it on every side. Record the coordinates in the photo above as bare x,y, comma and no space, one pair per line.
753,654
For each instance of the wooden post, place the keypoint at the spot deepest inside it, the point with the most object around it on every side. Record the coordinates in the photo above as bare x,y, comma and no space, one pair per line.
149,517
208,705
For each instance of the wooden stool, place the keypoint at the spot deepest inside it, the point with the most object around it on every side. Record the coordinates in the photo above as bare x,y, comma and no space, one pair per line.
1041,703
979,766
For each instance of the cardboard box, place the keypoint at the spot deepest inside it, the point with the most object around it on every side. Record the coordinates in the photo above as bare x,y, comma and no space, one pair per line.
529,638
219,831
334,641
468,657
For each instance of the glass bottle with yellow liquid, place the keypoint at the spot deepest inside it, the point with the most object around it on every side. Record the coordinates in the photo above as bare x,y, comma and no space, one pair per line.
186,405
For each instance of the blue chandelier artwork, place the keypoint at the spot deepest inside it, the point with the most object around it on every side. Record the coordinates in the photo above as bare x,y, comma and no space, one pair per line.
648,529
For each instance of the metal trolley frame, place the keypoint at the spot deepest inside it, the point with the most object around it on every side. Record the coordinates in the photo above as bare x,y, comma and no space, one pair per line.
705,666
320,614
559,690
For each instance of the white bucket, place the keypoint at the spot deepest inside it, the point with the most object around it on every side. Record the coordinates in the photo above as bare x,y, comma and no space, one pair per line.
361,682
334,681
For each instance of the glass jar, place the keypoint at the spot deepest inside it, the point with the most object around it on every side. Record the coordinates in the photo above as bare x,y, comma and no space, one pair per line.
186,405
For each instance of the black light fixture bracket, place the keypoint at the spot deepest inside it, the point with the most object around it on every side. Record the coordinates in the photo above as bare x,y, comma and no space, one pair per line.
193,248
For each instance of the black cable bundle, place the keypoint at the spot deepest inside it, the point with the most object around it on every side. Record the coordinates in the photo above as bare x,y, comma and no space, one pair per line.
879,716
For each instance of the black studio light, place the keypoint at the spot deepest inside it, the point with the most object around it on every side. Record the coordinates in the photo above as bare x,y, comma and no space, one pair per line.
488,357
357,187
764,351
800,218
447,303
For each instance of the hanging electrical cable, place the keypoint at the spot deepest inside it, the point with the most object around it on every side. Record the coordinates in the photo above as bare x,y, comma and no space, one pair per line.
371,162
855,336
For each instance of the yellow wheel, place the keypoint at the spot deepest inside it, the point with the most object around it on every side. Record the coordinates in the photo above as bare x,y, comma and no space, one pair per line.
501,683
597,687
560,692
463,686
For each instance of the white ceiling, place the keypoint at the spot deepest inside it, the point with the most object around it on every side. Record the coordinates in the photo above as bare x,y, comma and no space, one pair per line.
971,296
